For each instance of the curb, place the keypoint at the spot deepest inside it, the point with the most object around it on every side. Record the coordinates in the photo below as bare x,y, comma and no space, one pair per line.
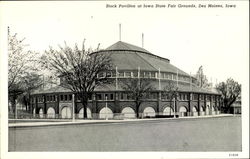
61,123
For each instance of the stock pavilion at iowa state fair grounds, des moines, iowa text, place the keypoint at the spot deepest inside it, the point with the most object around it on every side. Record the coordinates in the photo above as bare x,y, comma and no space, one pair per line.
111,101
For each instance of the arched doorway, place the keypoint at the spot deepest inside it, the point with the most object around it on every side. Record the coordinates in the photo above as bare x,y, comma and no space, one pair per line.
41,113
80,114
149,111
34,112
106,113
194,110
66,112
207,110
168,111
213,111
51,112
128,112
183,111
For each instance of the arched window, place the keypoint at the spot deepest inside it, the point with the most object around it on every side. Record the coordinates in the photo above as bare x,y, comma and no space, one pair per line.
149,111
106,113
128,112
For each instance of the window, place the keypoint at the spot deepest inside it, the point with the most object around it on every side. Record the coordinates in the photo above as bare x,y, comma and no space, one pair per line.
147,74
142,74
113,74
111,96
121,74
70,97
153,95
101,75
78,97
208,98
174,77
65,97
165,75
129,96
135,74
122,96
162,75
89,97
153,74
165,96
202,97
109,74
61,97
127,74
195,96
99,96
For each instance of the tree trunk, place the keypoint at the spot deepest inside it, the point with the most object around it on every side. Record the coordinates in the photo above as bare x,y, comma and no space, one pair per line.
84,103
137,105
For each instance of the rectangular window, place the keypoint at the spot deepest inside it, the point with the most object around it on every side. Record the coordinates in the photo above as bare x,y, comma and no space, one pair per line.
127,74
90,97
111,96
70,97
195,97
202,97
154,95
153,74
113,74
101,75
109,74
129,96
135,74
174,77
146,74
61,97
121,74
65,97
99,96
142,74
162,75
122,96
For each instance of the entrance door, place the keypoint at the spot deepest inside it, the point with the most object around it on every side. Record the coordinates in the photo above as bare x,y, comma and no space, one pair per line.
106,113
183,111
80,115
66,112
51,112
128,112
149,111
168,111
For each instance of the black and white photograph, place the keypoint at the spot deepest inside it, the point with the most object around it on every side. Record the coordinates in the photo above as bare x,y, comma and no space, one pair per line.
122,79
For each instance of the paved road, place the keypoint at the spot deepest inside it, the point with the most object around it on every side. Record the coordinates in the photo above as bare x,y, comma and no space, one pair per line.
211,134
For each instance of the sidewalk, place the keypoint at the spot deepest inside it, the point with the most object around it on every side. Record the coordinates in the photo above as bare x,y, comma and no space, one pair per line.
60,122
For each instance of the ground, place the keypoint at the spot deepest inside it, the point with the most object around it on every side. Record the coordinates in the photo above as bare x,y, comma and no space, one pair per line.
207,134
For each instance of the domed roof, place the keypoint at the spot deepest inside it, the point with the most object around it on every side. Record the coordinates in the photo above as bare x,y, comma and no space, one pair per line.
122,46
129,57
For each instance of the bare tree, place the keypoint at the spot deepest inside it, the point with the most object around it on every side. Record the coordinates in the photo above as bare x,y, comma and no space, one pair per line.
202,80
170,91
31,82
79,69
138,88
21,62
230,91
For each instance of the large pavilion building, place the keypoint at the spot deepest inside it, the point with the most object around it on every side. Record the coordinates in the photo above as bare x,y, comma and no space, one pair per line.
111,101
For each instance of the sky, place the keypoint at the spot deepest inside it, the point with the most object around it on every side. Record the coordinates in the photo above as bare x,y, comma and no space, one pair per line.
216,38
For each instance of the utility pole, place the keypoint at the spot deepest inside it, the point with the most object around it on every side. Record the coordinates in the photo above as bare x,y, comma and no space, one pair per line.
73,107
106,108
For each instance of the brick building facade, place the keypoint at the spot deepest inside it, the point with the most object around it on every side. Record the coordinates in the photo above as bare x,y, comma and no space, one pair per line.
111,101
